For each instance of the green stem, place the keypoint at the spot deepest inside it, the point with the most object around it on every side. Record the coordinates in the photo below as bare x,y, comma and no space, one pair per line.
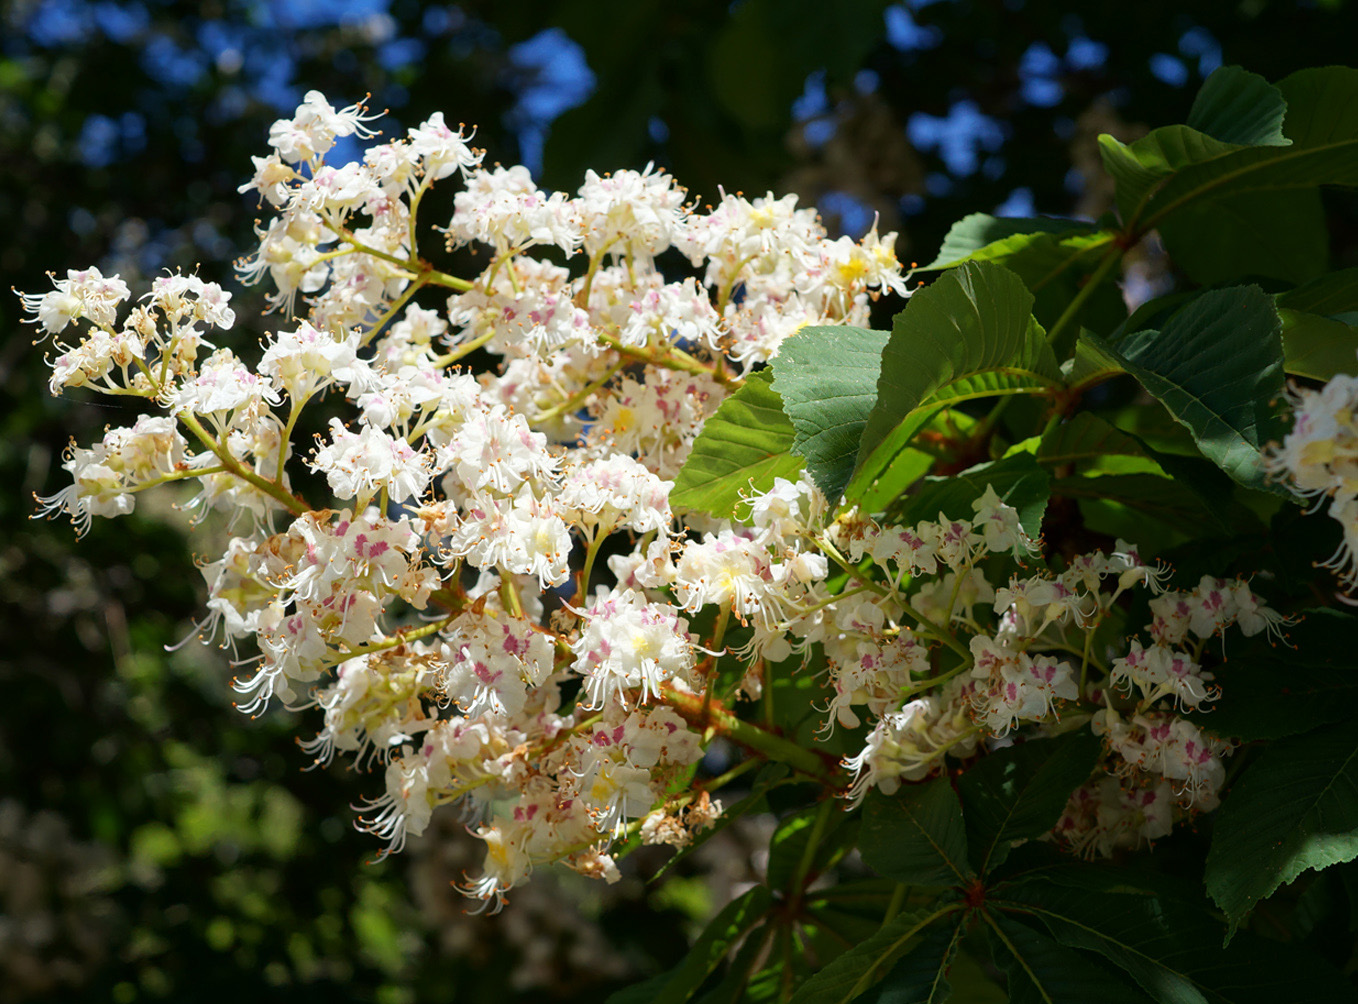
1004,939
294,412
1111,258
395,308
812,845
463,350
395,640
275,491
671,358
419,269
591,552
893,906
176,476
579,397
411,238
767,744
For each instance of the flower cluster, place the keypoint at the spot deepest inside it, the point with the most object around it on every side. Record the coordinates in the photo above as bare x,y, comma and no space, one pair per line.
442,608
1319,459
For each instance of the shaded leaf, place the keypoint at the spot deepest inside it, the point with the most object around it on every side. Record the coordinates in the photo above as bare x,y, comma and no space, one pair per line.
916,835
1161,498
1042,971
827,379
1091,364
1172,949
1019,792
1317,347
1083,438
858,971
1275,234
1270,690
788,844
729,926
1330,294
1236,106
1294,809
921,977
747,441
1217,367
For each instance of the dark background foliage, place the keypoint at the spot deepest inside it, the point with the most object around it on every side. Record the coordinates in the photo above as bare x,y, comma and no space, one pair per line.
154,844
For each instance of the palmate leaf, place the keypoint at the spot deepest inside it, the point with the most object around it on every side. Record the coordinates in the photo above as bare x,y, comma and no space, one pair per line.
916,835
1226,210
904,962
1293,810
1168,946
1019,792
680,983
827,379
1217,366
969,335
1270,690
1042,971
748,441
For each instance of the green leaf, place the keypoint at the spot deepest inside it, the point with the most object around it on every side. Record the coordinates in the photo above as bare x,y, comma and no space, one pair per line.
1085,438
1091,364
1172,949
1019,792
1236,106
1294,809
1147,495
1317,347
1217,366
916,835
748,441
1321,109
1041,971
827,379
1187,165
1019,480
1202,193
1320,338
854,974
1139,168
1053,257
1274,234
921,977
969,335
1271,690
680,983
981,237
789,841
1330,294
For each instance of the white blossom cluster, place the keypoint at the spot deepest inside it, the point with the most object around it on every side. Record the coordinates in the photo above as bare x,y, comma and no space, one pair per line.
441,607
1319,459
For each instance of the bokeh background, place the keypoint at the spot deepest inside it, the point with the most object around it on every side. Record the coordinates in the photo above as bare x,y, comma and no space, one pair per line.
155,844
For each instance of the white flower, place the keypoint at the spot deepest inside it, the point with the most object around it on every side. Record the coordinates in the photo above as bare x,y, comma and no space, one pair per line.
629,644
